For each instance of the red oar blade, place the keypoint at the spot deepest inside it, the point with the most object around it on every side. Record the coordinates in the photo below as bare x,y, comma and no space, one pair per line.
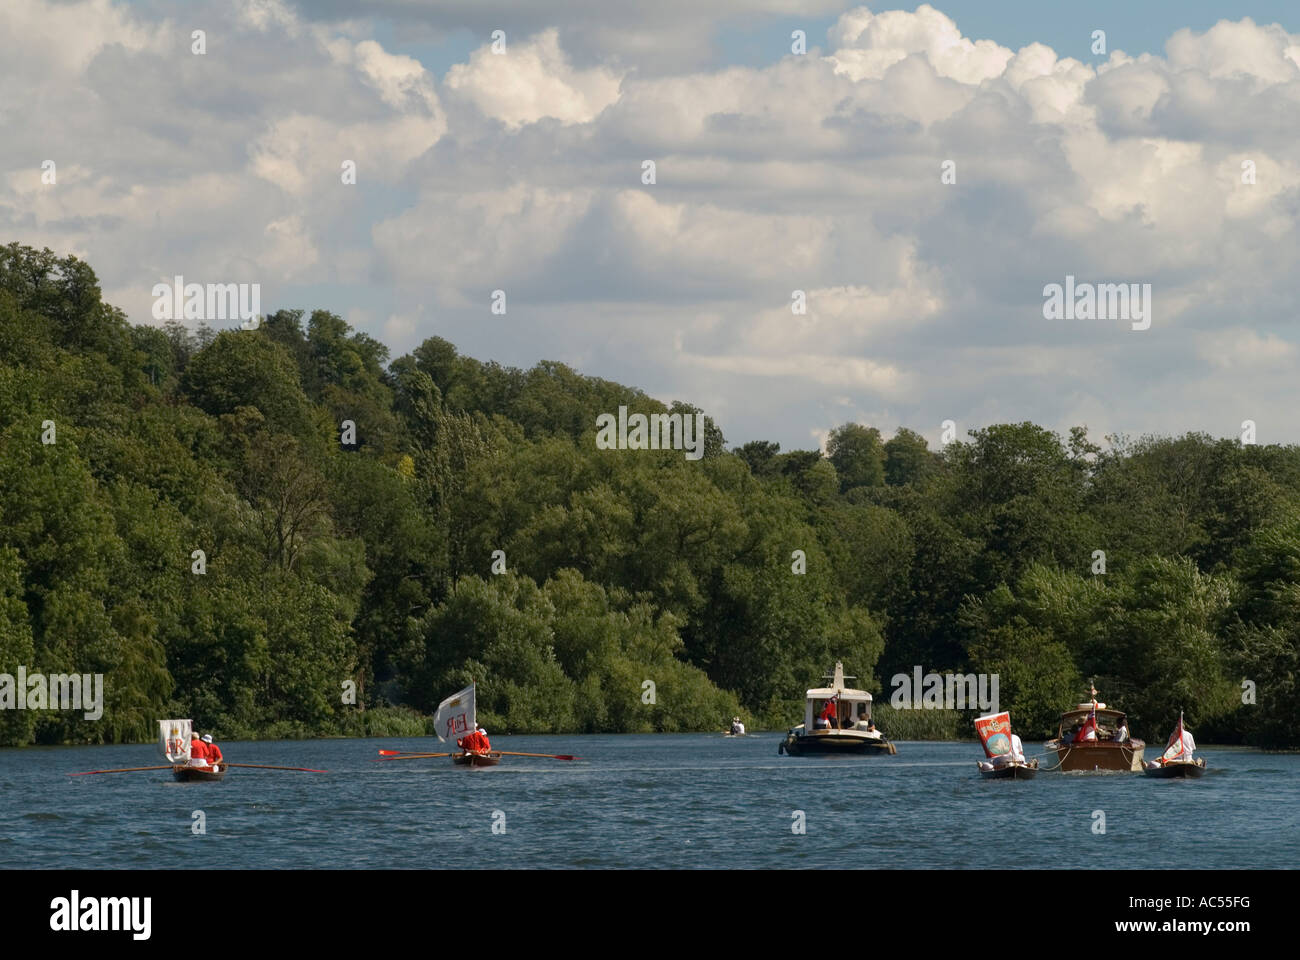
411,756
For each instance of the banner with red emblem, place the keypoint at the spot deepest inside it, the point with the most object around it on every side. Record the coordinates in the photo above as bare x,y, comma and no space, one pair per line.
995,733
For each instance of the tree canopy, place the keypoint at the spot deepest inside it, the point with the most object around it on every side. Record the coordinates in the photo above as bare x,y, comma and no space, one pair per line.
179,511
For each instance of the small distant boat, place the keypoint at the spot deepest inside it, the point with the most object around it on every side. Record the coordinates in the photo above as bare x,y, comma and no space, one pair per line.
490,759
837,720
1177,760
185,773
456,720
1095,737
1004,753
737,729
175,737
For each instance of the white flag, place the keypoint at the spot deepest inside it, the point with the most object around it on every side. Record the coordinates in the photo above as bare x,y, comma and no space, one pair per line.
174,737
455,716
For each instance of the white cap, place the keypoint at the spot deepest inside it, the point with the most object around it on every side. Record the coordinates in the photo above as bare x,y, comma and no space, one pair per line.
207,738
480,729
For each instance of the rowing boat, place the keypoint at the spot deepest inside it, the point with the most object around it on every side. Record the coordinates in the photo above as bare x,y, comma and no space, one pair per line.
1004,753
1175,768
185,773
1009,771
476,759
1177,760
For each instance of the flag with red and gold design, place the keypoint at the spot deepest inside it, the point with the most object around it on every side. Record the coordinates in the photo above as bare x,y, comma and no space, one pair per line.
174,738
995,733
456,715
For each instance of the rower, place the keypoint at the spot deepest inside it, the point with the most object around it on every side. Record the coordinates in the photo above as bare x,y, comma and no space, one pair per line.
1017,749
198,751
213,751
737,728
476,742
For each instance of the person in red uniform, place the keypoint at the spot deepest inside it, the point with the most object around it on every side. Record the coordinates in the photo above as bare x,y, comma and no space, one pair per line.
198,752
213,751
476,742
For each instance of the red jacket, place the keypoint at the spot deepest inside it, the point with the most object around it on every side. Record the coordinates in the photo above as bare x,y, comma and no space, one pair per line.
474,743
198,750
214,752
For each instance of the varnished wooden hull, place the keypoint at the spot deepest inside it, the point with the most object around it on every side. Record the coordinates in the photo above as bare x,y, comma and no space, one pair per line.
476,759
186,774
1177,769
1012,771
1103,756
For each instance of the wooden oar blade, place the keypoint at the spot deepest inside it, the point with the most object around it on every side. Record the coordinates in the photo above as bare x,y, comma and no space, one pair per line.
547,756
88,773
263,766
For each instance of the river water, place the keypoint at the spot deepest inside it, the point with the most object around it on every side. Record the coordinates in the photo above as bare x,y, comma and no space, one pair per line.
653,801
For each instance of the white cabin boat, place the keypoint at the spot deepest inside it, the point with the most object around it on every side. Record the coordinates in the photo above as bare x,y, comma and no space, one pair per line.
847,729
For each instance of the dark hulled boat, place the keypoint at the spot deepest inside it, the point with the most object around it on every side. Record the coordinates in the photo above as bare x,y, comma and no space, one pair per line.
1175,769
1004,754
1177,760
1015,770
185,773
476,759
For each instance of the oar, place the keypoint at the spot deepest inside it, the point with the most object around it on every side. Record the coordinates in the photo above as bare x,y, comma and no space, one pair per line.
121,770
262,766
412,756
549,756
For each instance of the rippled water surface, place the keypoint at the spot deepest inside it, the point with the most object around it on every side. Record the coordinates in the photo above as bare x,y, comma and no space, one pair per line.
689,800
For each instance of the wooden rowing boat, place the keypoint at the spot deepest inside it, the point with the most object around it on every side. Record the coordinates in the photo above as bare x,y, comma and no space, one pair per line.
1177,760
476,759
1174,769
1014,770
185,773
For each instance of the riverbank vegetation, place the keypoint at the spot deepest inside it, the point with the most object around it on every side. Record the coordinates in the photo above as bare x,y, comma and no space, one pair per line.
179,512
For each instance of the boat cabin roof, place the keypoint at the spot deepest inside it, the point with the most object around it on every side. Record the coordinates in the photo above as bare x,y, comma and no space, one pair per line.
1083,709
825,693
837,687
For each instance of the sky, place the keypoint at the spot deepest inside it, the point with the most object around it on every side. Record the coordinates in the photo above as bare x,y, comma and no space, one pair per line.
920,174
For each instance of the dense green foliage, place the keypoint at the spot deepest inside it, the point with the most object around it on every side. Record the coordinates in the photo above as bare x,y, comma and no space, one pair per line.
475,531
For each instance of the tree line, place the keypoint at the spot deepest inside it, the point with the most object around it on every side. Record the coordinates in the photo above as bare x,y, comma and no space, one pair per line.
206,532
